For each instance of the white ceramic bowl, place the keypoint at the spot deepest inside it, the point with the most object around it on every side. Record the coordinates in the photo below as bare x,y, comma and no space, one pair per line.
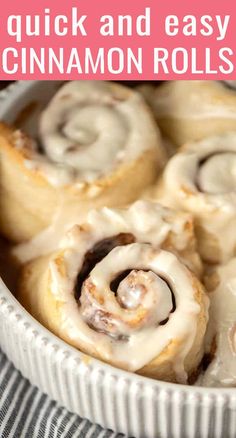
124,402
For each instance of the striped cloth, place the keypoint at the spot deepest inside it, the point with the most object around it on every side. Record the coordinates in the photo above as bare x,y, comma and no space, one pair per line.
25,412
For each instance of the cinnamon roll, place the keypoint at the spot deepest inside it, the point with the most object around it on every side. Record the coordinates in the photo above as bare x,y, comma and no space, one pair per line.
191,110
94,138
116,296
201,179
221,332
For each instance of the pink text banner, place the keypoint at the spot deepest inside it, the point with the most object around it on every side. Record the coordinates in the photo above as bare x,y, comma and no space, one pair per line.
125,40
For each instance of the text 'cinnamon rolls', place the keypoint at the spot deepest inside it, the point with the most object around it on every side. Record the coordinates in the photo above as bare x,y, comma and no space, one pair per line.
111,291
97,145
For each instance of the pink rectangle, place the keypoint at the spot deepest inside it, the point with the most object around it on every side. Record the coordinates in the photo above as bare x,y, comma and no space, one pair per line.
198,41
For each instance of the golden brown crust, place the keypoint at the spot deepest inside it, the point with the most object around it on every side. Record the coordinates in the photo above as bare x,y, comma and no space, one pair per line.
28,201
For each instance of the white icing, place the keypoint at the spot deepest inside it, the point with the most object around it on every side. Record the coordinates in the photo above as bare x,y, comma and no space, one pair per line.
133,290
218,174
138,290
143,339
81,144
215,206
150,221
222,324
57,174
90,128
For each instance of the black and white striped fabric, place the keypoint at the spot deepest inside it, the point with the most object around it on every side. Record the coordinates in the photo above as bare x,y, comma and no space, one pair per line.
25,412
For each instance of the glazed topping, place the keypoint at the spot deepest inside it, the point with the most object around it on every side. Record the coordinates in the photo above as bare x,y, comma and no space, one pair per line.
89,128
75,127
222,326
201,179
133,288
142,298
204,167
123,297
130,301
97,253
217,173
150,221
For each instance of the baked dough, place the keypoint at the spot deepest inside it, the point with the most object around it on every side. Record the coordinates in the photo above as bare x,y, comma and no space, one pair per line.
112,292
94,139
191,110
201,179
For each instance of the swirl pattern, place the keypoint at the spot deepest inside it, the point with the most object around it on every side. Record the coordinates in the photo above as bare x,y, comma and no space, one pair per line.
136,298
90,142
201,179
119,297
90,127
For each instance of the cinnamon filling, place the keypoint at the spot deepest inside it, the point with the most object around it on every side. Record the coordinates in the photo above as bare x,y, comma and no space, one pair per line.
99,319
209,356
97,253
